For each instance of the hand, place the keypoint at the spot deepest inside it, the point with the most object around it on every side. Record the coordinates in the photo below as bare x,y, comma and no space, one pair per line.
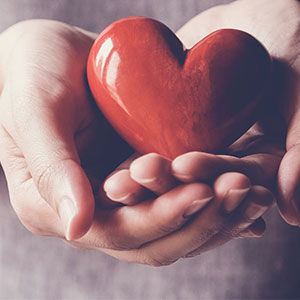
53,141
276,24
56,148
237,206
122,228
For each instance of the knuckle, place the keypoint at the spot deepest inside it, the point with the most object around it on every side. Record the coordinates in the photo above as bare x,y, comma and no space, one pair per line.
114,242
156,259
194,253
120,245
165,229
206,235
43,177
154,262
247,219
78,245
47,174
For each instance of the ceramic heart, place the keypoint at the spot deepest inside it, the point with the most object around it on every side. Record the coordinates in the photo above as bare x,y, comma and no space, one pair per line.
163,98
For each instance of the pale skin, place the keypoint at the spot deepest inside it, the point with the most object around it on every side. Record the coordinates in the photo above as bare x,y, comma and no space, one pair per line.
48,122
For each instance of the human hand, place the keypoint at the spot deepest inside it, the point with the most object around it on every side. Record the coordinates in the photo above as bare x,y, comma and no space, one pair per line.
133,234
276,24
240,182
54,143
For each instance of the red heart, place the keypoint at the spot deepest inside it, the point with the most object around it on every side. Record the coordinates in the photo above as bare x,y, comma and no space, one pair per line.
165,99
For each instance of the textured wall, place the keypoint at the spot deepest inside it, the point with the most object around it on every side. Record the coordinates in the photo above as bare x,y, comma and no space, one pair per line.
95,15
33,267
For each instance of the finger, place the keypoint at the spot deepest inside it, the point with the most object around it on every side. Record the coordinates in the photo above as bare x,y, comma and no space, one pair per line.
288,180
207,230
120,187
109,193
255,230
44,131
289,186
129,227
257,202
205,22
200,166
232,188
153,171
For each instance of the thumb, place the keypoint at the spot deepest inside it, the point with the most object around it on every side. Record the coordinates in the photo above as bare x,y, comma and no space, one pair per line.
46,139
289,185
288,180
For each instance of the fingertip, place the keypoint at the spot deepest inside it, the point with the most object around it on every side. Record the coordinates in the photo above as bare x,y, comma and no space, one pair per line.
183,166
288,183
257,202
153,171
79,220
75,222
77,228
231,181
262,196
289,213
76,206
232,188
256,230
147,167
195,165
120,187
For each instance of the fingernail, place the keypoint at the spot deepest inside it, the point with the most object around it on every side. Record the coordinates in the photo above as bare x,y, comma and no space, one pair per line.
296,203
296,212
196,206
144,180
248,234
183,177
233,199
67,212
119,198
253,212
183,166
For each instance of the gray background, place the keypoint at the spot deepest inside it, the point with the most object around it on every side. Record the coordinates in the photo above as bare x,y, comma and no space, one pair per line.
34,267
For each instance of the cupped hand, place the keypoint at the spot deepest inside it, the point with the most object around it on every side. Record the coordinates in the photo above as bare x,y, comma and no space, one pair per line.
276,24
240,185
50,149
56,148
54,143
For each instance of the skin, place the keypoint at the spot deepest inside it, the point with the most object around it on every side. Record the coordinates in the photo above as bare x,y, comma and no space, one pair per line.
279,124
51,134
276,24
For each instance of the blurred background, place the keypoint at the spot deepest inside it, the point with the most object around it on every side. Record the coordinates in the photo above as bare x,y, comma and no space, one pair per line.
33,267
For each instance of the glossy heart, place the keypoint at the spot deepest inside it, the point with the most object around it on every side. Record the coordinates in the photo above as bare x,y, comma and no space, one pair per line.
162,98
